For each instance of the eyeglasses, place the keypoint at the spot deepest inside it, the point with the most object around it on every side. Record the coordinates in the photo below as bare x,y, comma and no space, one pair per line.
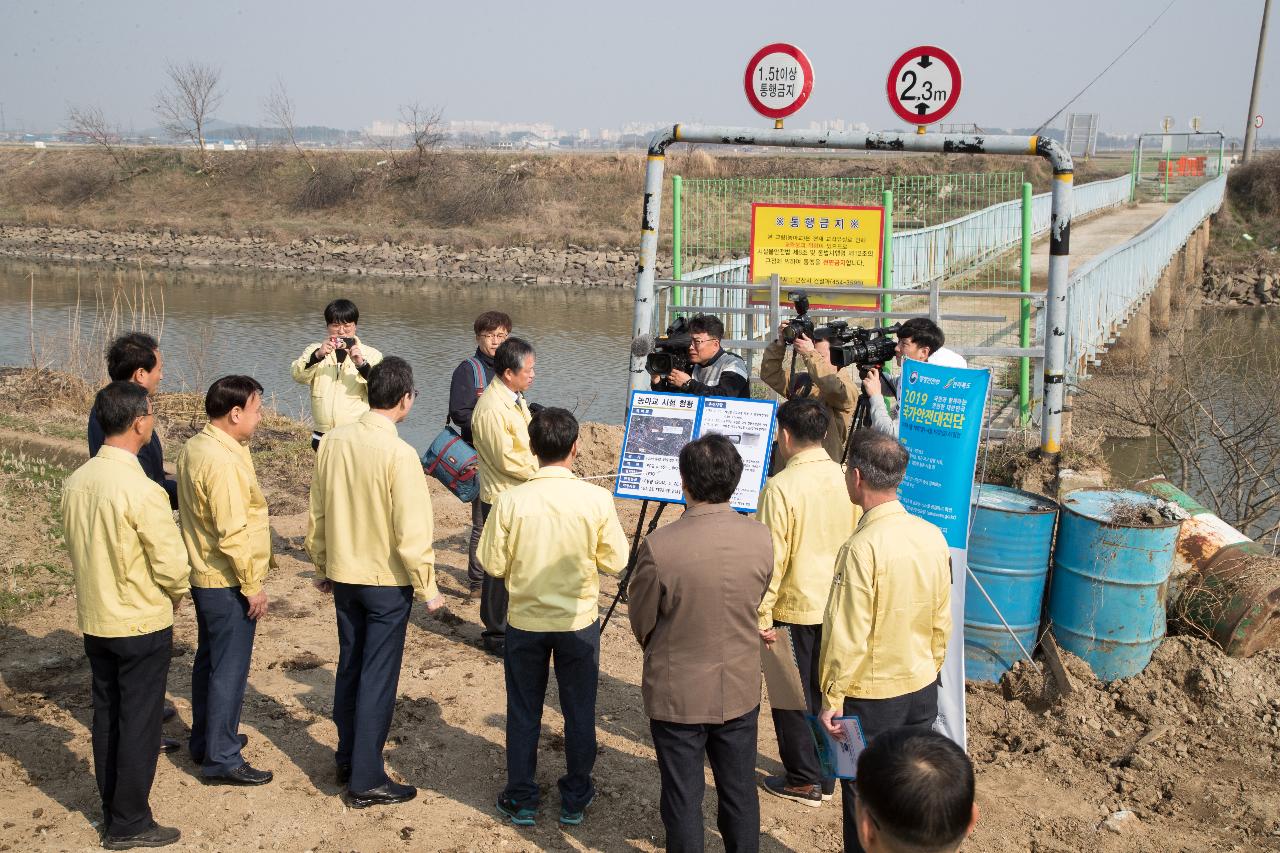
697,342
342,327
494,336
414,392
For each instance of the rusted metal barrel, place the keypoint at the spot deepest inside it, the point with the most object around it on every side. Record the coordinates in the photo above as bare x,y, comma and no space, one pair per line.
1224,584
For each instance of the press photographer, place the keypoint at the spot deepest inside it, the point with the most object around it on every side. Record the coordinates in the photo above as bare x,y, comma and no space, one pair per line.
815,376
704,368
919,339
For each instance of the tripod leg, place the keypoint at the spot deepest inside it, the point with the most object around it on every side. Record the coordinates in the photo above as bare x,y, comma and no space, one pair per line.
631,561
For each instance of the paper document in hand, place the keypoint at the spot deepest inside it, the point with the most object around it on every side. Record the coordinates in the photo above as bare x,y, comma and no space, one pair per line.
839,757
782,673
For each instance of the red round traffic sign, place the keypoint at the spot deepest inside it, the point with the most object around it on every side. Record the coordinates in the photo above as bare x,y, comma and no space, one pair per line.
1257,121
924,85
778,81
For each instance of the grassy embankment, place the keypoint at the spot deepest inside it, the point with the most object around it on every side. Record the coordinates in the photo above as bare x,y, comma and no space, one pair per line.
1251,207
460,199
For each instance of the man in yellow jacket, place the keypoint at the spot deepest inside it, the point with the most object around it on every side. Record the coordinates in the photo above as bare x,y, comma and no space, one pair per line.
809,515
130,572
337,369
885,631
370,538
228,537
549,539
500,426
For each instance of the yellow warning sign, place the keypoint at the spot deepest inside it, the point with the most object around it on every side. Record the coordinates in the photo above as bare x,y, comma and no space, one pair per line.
817,246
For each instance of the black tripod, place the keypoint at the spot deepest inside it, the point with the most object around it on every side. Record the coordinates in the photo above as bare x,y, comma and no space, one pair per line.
621,595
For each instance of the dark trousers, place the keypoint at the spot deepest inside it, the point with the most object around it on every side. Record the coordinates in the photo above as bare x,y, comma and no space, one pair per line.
914,710
576,655
128,702
796,748
475,571
224,647
371,627
493,594
731,748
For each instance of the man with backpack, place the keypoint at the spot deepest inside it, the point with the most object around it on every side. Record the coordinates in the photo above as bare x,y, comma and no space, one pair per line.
470,378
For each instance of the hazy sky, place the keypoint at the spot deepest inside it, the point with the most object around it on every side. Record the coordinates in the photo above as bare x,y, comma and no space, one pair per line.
601,63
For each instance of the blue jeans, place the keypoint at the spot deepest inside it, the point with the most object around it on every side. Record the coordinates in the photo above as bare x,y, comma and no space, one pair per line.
577,662
371,628
224,647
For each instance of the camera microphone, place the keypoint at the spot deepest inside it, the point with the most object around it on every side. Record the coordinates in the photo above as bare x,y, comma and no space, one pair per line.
642,346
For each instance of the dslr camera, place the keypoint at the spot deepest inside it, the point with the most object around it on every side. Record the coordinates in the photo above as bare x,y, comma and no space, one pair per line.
802,323
671,350
863,347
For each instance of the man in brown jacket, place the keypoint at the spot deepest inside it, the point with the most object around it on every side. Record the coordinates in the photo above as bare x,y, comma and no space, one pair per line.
814,377
693,605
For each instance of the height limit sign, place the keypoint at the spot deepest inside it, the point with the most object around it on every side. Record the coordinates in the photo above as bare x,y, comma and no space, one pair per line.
924,85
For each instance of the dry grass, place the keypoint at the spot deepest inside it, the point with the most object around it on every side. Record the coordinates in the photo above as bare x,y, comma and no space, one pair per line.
461,199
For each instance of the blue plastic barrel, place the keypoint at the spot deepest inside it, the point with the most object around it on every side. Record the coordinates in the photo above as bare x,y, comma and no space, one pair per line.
1110,580
1009,546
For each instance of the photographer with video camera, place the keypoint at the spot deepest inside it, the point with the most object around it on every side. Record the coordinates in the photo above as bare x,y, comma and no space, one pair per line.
919,339
705,369
836,388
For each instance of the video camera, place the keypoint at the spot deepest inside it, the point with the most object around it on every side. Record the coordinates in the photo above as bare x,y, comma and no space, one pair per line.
863,347
671,350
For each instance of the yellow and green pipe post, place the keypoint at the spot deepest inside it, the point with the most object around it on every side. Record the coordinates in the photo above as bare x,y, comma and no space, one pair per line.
886,252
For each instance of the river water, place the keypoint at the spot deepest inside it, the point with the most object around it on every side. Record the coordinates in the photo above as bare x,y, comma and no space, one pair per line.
254,322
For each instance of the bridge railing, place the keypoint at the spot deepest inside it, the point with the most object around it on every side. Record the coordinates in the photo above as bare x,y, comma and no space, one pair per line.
1104,293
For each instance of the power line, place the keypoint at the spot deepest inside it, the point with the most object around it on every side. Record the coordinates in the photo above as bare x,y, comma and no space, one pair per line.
1108,68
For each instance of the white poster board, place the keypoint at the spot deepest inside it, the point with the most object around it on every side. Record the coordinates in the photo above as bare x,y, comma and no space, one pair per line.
660,424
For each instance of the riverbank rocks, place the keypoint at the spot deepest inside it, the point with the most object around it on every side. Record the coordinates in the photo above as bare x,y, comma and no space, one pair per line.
1257,284
574,265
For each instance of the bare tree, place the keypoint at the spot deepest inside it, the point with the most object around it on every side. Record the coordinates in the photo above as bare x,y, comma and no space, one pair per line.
279,108
418,135
88,124
187,103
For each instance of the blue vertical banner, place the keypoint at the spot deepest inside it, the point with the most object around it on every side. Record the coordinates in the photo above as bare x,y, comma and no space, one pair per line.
940,414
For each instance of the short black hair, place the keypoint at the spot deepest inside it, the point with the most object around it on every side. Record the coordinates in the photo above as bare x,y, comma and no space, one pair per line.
708,324
805,419
710,469
511,355
923,332
881,459
389,380
129,353
552,433
918,786
229,392
341,311
491,321
119,404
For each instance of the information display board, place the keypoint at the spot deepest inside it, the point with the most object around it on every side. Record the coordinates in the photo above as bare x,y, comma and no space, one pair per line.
817,246
660,424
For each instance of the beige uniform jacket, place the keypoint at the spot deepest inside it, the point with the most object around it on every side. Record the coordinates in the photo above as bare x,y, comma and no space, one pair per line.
808,512
836,389
692,602
222,513
370,510
126,553
889,615
339,394
549,539
500,427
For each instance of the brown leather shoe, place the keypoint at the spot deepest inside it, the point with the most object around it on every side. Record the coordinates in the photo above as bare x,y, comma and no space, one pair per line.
809,795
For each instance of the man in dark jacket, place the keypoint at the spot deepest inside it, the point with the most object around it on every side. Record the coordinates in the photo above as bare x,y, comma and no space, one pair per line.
693,604
135,357
470,378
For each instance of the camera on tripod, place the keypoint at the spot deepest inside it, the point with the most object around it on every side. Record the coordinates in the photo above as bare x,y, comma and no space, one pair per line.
671,350
802,323
863,347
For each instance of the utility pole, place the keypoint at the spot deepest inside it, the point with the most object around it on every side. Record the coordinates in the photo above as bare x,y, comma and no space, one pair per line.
1249,129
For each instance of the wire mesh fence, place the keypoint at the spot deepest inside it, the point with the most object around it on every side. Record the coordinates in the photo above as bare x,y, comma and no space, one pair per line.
1170,166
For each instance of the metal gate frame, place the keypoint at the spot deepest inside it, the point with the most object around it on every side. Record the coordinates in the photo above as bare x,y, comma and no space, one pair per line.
936,143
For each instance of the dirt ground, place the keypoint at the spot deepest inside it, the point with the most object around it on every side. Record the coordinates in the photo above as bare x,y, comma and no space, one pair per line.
1187,753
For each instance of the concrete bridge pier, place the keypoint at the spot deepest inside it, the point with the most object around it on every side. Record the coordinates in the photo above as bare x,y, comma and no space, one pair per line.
1161,301
1132,348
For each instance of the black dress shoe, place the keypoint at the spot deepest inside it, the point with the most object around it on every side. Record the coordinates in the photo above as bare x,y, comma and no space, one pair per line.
497,648
156,836
168,744
343,774
199,759
242,775
385,794
168,713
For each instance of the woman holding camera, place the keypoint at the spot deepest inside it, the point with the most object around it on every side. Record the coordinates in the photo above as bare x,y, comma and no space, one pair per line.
337,369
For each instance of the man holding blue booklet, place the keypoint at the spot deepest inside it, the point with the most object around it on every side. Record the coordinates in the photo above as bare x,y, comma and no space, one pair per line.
885,631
